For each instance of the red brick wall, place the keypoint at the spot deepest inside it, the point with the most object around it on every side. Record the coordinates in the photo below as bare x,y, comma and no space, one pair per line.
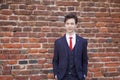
28,29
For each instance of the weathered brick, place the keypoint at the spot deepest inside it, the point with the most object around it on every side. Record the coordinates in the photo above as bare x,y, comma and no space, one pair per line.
6,12
22,12
21,78
13,18
4,6
5,40
35,66
67,3
33,61
23,62
7,23
12,45
43,76
45,13
3,17
101,14
8,77
32,45
20,34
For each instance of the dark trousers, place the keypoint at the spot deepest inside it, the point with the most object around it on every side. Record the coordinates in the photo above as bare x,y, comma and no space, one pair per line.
71,77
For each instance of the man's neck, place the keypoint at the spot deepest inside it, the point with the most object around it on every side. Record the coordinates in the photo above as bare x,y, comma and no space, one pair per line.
70,34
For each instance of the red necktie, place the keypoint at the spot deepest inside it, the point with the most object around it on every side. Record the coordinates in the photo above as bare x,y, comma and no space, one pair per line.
70,43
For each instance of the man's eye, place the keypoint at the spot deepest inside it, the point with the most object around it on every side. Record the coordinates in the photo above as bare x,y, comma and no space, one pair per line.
67,23
72,23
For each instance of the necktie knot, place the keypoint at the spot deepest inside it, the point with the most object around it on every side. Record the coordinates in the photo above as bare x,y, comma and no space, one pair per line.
70,37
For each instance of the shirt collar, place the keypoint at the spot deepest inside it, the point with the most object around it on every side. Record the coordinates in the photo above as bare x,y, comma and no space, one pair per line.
73,35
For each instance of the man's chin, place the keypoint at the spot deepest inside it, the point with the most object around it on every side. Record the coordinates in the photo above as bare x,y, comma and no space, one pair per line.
70,32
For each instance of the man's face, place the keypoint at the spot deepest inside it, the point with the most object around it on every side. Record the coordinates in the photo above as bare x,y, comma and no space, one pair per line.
70,25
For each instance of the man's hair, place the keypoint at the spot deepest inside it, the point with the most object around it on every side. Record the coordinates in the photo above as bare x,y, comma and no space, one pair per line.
71,15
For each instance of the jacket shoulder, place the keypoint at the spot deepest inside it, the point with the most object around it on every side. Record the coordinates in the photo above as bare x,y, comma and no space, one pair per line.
59,39
81,38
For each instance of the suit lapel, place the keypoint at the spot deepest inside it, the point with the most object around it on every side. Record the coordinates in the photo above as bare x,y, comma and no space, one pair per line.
78,44
65,45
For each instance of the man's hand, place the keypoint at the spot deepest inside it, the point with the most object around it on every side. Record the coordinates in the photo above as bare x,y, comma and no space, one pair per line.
55,77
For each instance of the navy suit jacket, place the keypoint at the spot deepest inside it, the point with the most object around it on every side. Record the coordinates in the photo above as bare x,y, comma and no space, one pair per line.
60,58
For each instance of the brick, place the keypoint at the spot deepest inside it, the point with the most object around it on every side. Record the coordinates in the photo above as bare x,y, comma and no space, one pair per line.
71,8
45,13
5,40
12,51
41,23
38,77
43,50
22,6
98,74
52,18
33,36
6,77
2,57
6,12
33,61
6,23
30,7
58,13
16,56
32,45
21,78
13,18
34,66
7,34
42,40
31,23
40,7
13,40
100,24
87,24
47,66
23,72
48,2
12,46
42,61
27,29
111,74
4,6
62,8
62,3
24,40
103,29
17,29
53,35
94,69
101,14
20,34
112,64
52,8
3,17
5,29
23,62
36,29
47,45
22,12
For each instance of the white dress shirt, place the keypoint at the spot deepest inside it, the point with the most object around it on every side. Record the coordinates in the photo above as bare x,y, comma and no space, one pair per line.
73,39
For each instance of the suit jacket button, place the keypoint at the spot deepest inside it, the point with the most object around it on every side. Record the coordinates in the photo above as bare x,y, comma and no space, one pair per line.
69,73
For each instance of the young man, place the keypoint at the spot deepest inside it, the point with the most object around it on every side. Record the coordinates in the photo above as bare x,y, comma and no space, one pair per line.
70,58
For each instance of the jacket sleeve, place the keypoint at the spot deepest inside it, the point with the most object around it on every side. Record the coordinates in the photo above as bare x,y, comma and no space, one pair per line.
55,58
85,58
